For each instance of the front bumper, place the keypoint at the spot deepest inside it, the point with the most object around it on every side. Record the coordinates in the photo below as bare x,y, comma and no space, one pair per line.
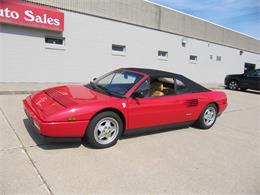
67,129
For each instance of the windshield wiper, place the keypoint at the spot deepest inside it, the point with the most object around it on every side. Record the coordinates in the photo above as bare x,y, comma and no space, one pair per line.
93,85
103,89
109,92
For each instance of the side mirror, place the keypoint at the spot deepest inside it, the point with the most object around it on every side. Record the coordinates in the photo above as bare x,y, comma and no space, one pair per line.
138,94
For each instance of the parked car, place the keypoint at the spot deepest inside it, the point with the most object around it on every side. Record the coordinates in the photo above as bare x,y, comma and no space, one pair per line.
250,80
120,102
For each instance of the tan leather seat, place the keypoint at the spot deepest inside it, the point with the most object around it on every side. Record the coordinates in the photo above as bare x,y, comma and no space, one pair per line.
157,89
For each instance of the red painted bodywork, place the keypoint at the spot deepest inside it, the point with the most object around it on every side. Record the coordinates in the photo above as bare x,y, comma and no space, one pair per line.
22,13
66,111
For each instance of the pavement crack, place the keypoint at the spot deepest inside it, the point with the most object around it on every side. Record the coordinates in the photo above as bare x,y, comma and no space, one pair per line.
20,147
43,181
8,149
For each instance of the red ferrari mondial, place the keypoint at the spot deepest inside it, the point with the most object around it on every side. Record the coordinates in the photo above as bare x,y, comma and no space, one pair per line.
120,102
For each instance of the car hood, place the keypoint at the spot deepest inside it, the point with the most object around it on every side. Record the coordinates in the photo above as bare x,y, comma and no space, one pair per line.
73,95
57,104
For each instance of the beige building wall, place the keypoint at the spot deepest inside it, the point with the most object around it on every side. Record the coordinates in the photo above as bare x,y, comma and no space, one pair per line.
146,14
87,52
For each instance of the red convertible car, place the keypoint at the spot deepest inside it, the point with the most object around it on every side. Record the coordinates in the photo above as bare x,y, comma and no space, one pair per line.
122,101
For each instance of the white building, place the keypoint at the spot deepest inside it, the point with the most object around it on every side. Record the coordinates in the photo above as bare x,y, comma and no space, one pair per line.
99,36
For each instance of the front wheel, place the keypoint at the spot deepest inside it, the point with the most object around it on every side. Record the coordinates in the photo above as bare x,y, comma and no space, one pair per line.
207,117
104,130
233,85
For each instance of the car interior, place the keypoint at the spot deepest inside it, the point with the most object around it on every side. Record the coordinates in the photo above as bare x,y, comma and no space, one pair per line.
162,87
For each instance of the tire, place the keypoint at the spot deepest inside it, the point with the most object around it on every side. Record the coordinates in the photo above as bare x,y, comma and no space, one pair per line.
104,130
233,85
207,117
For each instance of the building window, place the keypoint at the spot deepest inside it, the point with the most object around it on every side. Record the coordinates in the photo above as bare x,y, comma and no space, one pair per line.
54,42
118,49
211,57
218,58
58,41
163,55
193,59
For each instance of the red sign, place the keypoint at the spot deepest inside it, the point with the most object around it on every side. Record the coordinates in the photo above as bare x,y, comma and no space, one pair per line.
32,15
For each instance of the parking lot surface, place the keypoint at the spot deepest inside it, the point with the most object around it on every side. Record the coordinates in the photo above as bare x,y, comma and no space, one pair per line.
222,160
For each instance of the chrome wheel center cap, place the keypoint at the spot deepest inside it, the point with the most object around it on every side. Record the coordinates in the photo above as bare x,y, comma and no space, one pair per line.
107,130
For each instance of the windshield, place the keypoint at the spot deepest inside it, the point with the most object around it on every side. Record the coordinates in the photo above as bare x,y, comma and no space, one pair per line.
118,82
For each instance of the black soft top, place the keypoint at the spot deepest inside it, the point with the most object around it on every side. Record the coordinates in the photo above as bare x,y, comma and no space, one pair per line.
193,86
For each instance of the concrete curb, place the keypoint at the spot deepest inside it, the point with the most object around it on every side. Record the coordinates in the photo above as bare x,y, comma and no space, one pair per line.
16,92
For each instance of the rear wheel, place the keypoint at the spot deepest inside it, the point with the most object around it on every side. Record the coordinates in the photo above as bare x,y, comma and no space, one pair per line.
233,85
207,117
104,130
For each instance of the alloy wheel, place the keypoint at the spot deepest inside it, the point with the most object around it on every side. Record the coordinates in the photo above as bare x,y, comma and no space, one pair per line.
209,116
233,85
106,130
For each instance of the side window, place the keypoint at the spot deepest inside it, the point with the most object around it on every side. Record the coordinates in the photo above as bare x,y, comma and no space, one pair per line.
166,86
252,74
162,86
145,87
180,87
256,73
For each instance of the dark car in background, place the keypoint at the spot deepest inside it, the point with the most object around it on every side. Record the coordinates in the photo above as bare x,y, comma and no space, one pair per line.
249,80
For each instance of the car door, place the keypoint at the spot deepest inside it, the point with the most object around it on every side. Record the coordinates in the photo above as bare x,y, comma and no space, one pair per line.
156,111
253,80
243,81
